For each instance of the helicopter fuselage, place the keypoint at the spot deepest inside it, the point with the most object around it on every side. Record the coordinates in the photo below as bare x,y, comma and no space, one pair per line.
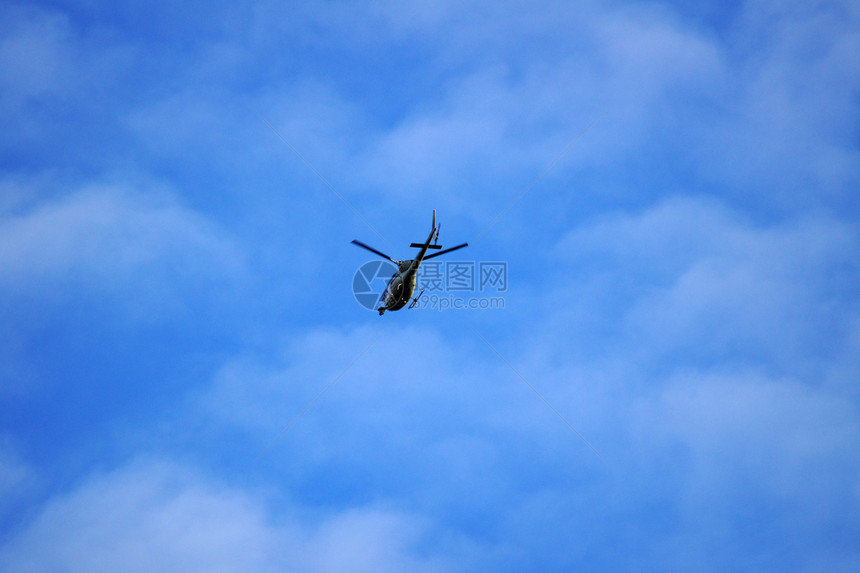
400,288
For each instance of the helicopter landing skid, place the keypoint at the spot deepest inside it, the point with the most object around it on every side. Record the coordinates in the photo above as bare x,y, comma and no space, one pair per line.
415,300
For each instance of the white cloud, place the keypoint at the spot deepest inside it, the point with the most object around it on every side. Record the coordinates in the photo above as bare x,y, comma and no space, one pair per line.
157,516
114,240
265,397
370,540
706,352
451,434
15,473
689,275
58,85
785,137
36,51
433,420
488,127
768,466
791,440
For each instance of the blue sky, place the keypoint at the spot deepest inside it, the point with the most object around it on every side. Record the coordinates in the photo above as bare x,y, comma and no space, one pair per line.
175,286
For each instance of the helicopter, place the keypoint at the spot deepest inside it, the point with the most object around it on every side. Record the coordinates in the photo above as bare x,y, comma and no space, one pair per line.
401,286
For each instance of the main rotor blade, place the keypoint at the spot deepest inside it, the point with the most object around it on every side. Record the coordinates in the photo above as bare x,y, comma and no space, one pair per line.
442,252
372,250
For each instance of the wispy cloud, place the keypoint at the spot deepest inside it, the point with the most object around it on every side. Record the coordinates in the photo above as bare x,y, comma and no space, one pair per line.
108,237
683,286
153,515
